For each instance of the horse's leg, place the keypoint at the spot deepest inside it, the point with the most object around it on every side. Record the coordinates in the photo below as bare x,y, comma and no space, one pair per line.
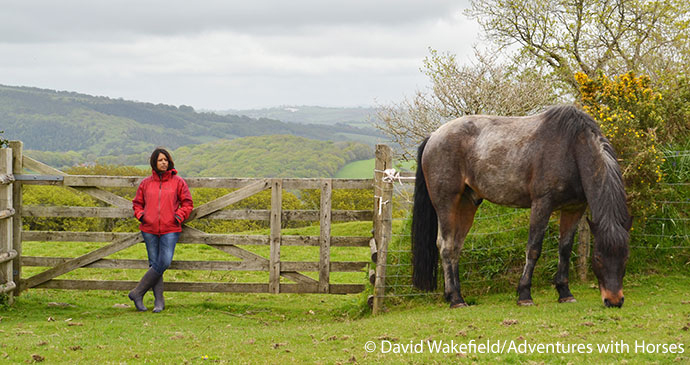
539,220
454,224
568,227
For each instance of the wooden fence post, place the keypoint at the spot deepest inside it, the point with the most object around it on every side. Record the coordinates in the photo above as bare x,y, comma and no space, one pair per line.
7,254
325,236
583,248
17,169
383,220
276,215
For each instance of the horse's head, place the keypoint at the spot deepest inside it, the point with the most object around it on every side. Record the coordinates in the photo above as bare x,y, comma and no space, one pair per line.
608,261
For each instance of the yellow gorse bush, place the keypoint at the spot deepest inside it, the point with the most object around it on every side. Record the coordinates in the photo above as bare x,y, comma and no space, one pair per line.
628,112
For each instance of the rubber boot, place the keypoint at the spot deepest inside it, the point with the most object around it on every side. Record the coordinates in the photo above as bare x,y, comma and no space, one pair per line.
147,281
159,302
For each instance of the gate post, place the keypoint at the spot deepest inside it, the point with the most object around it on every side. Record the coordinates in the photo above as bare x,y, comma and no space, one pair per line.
7,283
325,236
383,220
275,238
17,169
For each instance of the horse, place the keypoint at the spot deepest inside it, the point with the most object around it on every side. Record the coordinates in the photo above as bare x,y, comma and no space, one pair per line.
557,160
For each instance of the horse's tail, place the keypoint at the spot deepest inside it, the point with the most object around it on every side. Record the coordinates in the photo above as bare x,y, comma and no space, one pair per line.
424,232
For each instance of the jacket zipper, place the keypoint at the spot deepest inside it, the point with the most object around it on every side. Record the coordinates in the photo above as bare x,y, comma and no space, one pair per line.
160,192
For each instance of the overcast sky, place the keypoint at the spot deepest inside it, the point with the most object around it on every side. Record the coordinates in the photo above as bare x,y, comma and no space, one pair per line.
230,54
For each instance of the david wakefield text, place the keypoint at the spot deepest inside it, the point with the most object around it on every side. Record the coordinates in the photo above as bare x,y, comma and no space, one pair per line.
523,347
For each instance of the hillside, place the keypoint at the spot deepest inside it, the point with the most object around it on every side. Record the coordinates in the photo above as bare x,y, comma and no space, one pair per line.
268,156
48,120
358,117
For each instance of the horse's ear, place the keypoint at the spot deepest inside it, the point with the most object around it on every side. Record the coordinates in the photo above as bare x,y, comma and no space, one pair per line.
592,226
629,223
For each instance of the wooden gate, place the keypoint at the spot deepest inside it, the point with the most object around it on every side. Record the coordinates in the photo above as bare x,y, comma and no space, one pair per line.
292,272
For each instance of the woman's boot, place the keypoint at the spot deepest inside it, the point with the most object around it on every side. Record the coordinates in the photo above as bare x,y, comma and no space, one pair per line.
159,302
146,282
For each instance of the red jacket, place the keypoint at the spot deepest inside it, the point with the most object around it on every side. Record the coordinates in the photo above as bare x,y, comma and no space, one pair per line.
162,203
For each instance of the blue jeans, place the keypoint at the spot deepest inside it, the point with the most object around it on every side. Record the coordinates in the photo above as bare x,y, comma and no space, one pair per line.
160,249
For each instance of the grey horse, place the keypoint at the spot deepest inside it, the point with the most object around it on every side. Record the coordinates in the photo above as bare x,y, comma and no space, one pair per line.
555,160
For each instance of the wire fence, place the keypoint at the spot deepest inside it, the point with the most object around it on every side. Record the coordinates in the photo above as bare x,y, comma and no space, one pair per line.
493,254
669,229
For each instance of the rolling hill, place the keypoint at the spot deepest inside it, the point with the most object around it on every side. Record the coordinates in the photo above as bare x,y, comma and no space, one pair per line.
60,121
357,117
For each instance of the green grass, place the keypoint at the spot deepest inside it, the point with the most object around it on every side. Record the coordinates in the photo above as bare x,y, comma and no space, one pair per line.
90,327
93,326
364,169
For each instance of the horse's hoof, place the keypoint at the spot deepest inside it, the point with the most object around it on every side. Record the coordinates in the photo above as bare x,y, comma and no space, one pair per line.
525,303
458,305
567,300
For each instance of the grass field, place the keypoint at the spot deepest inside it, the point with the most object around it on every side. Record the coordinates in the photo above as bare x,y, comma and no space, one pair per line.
95,327
364,169
65,326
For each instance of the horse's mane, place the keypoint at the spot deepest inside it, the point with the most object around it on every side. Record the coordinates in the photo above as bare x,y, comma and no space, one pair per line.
571,121
609,208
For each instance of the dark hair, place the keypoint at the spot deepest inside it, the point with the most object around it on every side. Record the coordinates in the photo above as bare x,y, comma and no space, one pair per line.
154,158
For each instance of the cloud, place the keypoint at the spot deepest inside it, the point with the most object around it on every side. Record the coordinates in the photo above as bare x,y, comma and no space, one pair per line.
229,54
70,20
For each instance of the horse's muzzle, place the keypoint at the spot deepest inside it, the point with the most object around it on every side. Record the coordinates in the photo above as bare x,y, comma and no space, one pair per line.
617,305
612,300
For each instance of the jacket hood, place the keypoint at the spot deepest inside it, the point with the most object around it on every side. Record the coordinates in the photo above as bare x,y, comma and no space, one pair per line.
166,175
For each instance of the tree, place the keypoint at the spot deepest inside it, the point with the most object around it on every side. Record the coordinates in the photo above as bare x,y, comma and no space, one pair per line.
486,87
3,141
613,36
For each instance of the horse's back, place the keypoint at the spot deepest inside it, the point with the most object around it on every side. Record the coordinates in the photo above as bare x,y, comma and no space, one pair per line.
499,158
482,132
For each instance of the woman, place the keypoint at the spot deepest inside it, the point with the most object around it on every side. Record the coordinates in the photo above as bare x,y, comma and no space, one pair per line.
162,203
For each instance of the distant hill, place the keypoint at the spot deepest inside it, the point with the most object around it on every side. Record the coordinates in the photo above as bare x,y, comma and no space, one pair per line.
359,117
48,120
268,156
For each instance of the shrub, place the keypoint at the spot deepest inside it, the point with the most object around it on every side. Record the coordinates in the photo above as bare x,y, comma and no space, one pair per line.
57,196
629,113
676,102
